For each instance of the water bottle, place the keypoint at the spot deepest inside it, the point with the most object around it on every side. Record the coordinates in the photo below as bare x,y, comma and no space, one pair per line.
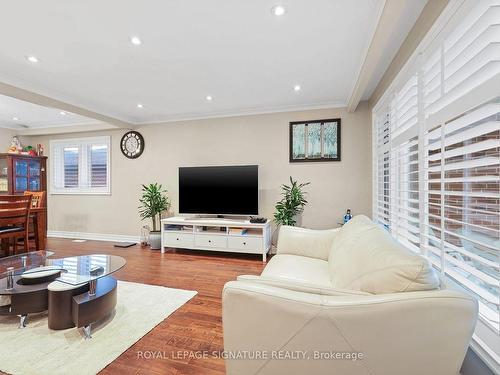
347,216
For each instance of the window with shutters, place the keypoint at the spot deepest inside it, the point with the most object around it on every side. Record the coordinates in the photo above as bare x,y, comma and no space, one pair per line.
80,166
436,157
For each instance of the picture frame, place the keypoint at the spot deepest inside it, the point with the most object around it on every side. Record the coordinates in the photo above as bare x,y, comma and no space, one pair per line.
315,141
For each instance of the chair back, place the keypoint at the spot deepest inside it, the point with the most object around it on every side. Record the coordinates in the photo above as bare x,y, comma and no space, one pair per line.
37,198
14,210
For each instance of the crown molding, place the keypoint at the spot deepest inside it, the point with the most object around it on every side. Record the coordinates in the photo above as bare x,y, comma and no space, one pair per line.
245,112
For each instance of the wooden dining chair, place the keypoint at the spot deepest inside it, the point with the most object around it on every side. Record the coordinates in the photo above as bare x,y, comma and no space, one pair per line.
14,219
37,201
37,198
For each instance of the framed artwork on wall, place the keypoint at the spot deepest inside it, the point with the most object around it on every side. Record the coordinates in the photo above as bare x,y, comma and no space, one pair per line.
316,140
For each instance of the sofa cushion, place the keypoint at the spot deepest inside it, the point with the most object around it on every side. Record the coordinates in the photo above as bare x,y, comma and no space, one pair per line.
365,257
355,226
298,269
300,241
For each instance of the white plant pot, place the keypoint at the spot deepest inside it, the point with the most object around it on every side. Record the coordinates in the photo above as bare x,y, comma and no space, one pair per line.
298,220
155,240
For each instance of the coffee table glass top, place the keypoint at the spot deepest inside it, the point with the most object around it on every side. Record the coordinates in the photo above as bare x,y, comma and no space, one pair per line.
85,268
74,270
24,262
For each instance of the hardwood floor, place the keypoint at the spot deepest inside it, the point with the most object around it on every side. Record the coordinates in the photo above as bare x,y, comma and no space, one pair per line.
196,326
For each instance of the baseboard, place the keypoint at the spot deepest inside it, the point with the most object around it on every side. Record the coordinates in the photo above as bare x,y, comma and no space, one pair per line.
93,236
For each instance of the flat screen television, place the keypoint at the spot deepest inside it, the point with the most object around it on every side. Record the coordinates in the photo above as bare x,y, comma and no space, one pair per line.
222,190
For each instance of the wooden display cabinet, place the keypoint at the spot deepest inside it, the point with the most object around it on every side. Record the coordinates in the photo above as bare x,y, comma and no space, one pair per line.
19,173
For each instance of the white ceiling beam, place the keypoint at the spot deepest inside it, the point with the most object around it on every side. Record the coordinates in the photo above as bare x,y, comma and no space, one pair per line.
393,10
32,97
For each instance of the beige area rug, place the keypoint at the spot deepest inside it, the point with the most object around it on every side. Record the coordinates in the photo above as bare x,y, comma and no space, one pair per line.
37,350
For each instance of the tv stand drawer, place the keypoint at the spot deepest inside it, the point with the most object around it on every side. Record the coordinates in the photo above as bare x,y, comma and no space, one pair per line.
245,243
178,240
207,240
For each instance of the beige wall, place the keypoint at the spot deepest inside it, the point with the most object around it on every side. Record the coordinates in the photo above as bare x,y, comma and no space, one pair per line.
260,139
5,137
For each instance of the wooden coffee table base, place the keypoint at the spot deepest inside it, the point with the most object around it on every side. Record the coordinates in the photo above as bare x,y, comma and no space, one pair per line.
27,297
77,308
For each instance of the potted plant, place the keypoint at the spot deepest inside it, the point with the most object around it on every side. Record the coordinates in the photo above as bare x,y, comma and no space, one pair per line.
153,203
291,204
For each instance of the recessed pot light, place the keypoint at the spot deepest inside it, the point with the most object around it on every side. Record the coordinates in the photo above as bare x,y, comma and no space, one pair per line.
135,40
139,105
62,113
32,59
15,119
278,10
209,98
296,88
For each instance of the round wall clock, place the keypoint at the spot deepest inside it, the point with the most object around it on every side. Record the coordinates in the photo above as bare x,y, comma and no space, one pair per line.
132,144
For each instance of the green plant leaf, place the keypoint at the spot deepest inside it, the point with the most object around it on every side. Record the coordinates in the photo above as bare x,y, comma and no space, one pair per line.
292,203
153,202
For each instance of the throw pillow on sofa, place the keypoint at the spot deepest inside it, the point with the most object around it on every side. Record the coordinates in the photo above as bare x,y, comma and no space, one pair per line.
365,257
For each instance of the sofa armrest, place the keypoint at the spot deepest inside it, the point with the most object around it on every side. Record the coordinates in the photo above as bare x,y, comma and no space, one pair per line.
300,286
305,242
402,333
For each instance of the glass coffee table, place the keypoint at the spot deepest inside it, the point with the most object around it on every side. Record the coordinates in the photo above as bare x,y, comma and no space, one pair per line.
76,291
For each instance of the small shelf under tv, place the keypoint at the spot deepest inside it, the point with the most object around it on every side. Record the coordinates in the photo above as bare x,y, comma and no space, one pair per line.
171,228
215,234
246,232
210,230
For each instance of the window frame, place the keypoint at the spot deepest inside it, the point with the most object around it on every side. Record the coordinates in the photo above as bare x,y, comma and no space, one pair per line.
57,163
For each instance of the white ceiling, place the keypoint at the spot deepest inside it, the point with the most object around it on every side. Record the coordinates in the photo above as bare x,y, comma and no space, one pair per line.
36,116
234,50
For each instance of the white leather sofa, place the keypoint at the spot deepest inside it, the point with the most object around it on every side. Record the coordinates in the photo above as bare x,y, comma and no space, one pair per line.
345,301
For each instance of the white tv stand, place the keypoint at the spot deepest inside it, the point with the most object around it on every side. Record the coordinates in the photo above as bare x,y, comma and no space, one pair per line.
216,234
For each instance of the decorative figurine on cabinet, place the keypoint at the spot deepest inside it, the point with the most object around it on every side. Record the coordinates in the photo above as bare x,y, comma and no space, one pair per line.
15,146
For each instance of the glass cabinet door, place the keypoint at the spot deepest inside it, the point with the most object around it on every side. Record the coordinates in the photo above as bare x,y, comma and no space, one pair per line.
34,184
21,174
21,167
21,184
4,177
34,175
34,166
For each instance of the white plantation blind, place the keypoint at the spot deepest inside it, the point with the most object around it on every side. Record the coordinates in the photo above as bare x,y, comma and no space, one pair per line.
404,107
80,166
98,165
406,226
436,156
381,167
468,57
70,166
463,215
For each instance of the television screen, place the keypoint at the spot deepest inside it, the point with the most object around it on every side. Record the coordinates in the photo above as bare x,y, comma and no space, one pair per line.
230,190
